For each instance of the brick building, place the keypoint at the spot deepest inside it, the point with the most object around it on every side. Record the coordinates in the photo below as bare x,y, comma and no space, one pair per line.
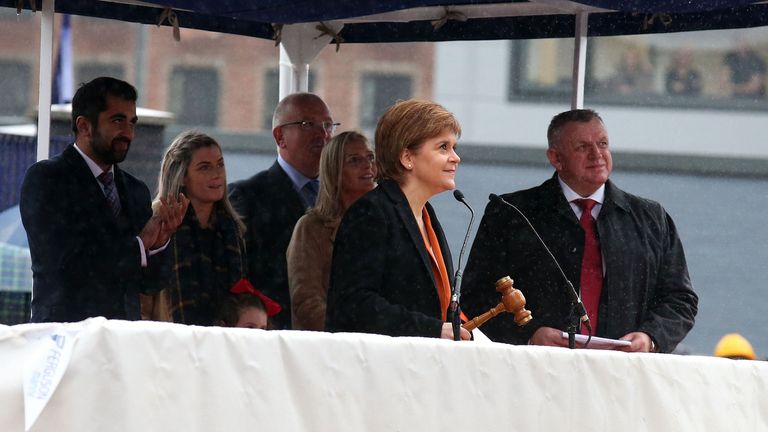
222,83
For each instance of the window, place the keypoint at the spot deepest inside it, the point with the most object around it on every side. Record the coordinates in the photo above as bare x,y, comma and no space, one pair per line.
379,92
88,71
272,95
9,14
15,88
691,70
194,95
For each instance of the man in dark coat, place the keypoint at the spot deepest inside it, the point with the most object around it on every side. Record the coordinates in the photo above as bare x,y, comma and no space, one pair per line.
646,295
272,201
91,229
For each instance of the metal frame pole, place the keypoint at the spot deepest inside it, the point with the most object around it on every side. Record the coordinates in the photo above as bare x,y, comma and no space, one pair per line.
579,61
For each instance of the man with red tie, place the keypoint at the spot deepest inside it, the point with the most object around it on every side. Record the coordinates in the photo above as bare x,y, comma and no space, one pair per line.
621,252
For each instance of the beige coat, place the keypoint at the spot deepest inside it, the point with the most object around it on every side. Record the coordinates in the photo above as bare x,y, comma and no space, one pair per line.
309,270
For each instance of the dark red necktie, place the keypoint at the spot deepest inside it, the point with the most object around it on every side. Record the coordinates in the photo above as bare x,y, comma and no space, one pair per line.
591,282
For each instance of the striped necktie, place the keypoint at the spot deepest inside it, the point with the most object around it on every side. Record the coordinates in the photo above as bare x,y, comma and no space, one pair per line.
110,192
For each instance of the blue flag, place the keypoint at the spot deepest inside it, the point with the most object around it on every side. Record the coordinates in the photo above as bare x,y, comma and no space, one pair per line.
63,79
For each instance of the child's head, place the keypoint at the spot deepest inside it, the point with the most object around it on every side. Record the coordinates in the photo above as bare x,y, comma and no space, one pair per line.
246,307
242,310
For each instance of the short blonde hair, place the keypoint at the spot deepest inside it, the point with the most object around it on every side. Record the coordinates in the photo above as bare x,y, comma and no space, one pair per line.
406,125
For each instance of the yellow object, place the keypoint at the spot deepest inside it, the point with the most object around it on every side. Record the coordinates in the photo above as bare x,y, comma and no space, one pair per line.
734,345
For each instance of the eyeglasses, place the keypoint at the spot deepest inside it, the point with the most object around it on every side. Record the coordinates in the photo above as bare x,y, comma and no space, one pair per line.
357,161
327,126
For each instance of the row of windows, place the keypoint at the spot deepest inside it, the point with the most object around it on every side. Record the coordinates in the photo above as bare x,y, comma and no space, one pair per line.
645,72
16,84
195,92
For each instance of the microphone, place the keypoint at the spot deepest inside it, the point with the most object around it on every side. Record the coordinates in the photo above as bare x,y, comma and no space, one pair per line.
456,295
580,309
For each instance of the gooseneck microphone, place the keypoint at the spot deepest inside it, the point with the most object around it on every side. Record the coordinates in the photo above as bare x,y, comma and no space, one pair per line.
456,294
578,305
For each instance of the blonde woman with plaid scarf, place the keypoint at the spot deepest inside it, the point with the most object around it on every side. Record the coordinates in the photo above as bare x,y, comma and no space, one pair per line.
207,252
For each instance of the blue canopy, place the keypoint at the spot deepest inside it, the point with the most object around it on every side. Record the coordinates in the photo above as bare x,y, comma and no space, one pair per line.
518,19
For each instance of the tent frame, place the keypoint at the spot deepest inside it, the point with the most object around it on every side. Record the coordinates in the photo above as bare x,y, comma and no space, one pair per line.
300,45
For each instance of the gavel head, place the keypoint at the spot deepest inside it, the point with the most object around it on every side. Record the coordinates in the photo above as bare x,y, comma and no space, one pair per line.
513,300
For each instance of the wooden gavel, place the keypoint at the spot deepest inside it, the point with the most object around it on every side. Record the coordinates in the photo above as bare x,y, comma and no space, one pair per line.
512,300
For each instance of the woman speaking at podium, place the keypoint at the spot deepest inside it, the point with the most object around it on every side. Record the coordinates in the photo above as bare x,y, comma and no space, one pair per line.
391,269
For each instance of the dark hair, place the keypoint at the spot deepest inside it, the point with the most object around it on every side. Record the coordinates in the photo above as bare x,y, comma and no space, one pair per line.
232,304
91,98
560,120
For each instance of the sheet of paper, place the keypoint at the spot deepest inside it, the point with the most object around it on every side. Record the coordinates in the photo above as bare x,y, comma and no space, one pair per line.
480,336
597,342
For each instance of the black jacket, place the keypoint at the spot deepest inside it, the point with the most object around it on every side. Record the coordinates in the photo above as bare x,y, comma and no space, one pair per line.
85,262
270,208
381,275
646,286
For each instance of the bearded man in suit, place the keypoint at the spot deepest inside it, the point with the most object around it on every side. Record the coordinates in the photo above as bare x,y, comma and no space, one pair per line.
93,235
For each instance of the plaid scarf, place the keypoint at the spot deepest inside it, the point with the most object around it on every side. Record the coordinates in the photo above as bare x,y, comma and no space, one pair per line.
207,262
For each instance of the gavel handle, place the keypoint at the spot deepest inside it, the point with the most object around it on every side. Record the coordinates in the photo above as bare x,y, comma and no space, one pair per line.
481,319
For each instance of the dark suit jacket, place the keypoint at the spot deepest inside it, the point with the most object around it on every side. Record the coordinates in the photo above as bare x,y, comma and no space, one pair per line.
85,262
270,208
381,275
646,286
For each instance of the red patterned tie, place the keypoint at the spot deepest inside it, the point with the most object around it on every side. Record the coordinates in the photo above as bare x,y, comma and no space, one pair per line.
591,264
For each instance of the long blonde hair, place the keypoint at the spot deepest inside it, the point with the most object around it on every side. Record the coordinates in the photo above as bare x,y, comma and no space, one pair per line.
174,168
329,205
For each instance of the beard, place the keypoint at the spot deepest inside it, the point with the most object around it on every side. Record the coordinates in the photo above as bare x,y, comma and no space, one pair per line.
109,152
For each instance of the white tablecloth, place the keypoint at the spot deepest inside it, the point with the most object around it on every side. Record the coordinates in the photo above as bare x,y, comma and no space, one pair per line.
142,376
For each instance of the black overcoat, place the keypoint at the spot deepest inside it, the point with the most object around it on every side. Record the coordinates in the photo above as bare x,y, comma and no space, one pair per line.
646,286
381,275
85,262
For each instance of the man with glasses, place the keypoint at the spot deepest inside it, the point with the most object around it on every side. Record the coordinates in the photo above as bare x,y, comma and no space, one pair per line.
272,201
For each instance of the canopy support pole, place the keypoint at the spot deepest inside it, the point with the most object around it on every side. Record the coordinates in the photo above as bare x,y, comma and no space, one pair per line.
300,44
579,61
46,68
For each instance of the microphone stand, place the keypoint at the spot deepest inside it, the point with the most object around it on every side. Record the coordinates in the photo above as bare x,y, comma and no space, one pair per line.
573,324
578,312
455,307
577,316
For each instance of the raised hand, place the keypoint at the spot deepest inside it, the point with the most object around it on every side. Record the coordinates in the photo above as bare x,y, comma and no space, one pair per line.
151,232
171,213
